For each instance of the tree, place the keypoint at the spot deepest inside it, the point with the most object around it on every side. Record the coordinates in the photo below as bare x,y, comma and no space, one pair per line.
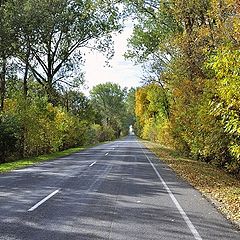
7,41
79,105
130,106
192,51
151,110
109,100
53,33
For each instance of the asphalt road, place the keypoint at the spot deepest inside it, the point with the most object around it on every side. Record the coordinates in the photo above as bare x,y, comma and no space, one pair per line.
118,191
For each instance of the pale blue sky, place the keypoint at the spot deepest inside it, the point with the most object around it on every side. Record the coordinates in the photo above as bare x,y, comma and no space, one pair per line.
122,71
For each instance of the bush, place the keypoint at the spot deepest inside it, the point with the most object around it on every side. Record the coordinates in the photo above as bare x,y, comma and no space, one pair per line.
41,127
30,128
107,134
9,137
225,106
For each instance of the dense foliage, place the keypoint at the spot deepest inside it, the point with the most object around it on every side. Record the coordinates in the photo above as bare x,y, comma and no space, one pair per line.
109,100
34,126
191,100
41,108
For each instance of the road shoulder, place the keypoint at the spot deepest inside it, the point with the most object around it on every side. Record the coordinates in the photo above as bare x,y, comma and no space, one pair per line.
218,187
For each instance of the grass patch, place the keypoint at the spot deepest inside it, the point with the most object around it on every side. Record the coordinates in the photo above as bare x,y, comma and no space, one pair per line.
6,167
214,183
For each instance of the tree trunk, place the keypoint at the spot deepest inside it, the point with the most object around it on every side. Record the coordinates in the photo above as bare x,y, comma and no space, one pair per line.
50,92
67,102
25,87
3,82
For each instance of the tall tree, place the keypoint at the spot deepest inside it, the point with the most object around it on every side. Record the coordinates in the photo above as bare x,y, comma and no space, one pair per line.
58,30
79,105
193,50
109,100
130,106
7,40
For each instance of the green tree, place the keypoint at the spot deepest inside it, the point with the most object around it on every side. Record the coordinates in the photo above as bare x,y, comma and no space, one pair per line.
175,40
79,105
130,106
151,111
7,43
109,100
54,32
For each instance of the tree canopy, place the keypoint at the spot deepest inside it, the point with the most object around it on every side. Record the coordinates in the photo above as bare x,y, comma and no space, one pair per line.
109,100
42,50
189,100
190,50
50,36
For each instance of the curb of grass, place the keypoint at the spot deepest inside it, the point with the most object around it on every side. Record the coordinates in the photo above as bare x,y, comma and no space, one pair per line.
218,198
27,162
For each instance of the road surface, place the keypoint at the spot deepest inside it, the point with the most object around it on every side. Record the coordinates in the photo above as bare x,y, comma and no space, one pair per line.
117,191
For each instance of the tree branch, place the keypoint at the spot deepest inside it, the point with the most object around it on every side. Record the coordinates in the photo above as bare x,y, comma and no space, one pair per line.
40,61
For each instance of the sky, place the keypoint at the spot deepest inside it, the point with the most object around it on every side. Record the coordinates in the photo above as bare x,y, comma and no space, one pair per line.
122,71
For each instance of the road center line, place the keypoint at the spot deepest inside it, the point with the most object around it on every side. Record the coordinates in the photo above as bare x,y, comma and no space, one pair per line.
92,164
175,201
43,200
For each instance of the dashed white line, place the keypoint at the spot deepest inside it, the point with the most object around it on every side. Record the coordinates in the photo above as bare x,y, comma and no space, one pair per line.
43,200
175,201
92,164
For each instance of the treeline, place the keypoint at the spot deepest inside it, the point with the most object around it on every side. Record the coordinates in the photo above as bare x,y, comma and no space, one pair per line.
191,100
41,110
34,126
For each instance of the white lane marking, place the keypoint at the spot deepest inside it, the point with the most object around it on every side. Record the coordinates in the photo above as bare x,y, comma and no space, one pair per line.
43,200
177,204
92,164
106,154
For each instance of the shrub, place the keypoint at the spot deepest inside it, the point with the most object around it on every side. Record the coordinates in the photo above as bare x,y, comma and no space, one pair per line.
9,137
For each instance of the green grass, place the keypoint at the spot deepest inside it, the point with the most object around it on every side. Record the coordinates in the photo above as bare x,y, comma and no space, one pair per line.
6,167
217,185
9,166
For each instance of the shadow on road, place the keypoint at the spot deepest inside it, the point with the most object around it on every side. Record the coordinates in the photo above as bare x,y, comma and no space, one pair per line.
120,197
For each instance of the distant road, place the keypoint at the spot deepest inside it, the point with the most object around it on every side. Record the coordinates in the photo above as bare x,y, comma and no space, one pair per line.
117,191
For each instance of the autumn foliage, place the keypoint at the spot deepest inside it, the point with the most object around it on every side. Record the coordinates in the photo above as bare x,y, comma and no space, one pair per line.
191,100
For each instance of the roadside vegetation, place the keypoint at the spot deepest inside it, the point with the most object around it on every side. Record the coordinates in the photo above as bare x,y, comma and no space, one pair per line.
42,49
6,167
34,126
191,97
216,184
189,105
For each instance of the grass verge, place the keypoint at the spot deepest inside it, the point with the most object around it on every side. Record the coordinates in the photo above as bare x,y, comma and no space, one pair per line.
215,184
6,167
